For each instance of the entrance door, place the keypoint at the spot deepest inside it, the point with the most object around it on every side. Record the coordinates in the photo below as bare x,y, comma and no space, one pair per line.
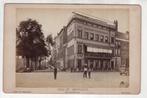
91,64
79,64
101,65
97,65
112,65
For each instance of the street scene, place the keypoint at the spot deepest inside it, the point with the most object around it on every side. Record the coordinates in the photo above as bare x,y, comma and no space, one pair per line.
85,52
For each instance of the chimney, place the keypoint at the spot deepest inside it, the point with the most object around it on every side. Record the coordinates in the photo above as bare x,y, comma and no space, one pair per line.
116,24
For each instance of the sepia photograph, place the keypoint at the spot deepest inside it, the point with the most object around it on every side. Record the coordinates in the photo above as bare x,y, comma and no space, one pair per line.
73,48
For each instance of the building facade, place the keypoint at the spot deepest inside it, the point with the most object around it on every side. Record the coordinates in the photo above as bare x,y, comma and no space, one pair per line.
92,42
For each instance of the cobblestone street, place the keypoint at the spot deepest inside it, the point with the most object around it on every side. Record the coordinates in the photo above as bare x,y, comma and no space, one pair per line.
68,79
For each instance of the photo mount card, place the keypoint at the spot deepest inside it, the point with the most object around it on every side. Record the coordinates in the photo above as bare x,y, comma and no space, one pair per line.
72,48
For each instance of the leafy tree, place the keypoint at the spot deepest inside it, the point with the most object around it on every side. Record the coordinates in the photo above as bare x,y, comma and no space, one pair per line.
49,40
51,43
30,41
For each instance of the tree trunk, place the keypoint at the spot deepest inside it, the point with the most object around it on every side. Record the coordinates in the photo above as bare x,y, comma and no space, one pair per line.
27,62
31,65
35,63
40,63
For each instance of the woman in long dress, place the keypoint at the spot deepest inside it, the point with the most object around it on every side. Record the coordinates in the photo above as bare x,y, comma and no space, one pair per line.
85,72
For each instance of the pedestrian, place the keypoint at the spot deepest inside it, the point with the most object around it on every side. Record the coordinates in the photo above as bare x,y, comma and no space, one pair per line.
55,73
85,72
89,72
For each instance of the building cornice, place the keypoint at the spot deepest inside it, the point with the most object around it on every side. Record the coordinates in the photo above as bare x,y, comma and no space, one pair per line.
125,40
91,20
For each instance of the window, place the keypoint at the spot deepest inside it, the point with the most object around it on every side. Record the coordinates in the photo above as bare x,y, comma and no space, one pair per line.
112,39
102,38
94,25
70,36
86,35
85,22
118,51
104,28
70,50
89,24
97,37
79,33
106,39
91,36
79,49
118,44
85,48
113,52
99,27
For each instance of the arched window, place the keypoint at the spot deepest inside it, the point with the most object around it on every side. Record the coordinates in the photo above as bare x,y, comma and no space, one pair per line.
91,36
102,38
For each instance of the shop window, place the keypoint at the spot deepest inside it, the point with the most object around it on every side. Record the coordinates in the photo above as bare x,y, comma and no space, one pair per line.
79,64
85,48
119,44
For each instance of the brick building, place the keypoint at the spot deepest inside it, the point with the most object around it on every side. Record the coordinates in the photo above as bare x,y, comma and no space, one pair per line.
90,41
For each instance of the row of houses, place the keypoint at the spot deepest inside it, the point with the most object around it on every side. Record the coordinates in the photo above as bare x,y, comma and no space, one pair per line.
92,42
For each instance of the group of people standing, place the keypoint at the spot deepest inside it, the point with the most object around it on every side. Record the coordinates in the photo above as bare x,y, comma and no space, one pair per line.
87,72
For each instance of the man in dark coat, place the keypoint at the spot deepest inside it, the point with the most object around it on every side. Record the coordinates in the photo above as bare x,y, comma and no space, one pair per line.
89,72
55,73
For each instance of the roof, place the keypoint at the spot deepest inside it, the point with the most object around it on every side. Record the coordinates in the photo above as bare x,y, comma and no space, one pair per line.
92,19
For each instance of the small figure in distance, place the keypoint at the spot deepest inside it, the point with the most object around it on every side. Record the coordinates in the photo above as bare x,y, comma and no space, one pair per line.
89,72
85,71
55,72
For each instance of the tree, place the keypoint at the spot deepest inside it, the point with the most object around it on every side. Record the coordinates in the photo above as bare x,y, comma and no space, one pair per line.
49,40
51,43
30,41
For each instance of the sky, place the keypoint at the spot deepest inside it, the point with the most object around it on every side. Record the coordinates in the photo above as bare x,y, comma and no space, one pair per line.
53,19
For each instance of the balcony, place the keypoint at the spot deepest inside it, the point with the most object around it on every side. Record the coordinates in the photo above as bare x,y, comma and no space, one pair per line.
98,55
